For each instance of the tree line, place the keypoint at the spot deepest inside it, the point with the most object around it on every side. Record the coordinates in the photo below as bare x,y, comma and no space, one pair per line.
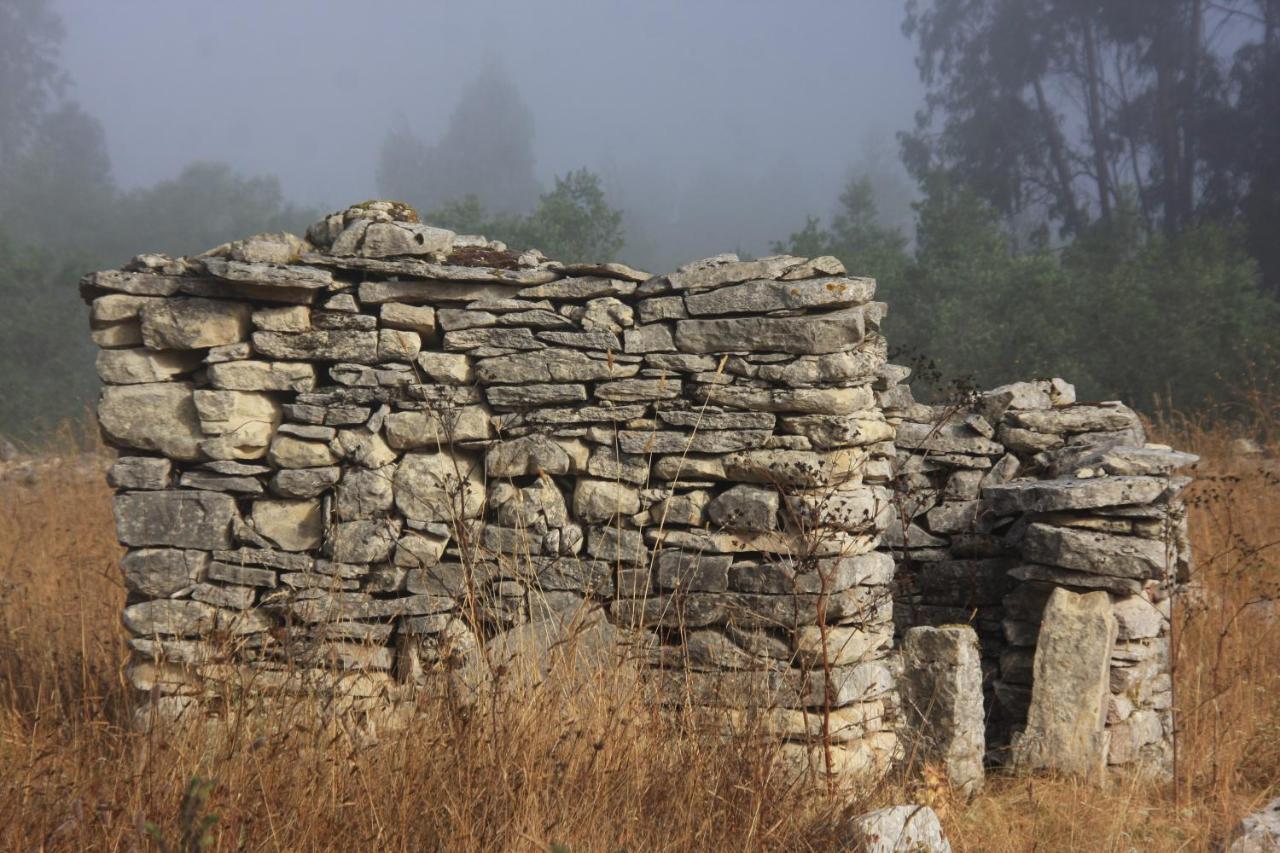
1095,188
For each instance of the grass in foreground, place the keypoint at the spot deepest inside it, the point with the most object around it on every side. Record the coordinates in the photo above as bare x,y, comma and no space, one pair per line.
581,765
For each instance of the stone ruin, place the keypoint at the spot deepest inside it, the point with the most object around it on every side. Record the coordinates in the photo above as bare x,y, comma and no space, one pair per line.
355,461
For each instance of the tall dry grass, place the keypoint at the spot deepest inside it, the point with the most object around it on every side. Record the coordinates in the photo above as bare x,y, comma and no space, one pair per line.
581,764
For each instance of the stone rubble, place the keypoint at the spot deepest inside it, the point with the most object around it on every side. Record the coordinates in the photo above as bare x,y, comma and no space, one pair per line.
1010,494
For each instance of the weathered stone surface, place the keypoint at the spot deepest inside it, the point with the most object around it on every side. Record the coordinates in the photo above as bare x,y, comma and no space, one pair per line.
760,297
1065,724
670,441
632,390
534,396
437,429
283,318
1075,419
304,482
174,618
946,438
1098,553
162,572
364,493
362,541
1073,493
555,365
178,519
942,702
446,486
263,376
819,401
898,829
603,500
720,270
746,508
826,432
387,239
292,525
811,334
1258,832
159,417
356,346
136,366
141,472
183,324
243,421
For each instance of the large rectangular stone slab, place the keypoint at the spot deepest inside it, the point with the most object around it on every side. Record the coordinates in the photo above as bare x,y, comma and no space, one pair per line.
810,335
178,519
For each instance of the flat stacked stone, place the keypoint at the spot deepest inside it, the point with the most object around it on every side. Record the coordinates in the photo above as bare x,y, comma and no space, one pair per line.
370,450
1014,492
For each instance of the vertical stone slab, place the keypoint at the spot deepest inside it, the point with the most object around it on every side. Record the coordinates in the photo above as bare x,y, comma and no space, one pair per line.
1065,724
942,702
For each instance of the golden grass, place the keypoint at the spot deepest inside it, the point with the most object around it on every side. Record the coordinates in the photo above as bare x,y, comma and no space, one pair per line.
577,766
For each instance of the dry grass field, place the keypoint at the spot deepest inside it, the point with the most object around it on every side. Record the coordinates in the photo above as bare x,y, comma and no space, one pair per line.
582,764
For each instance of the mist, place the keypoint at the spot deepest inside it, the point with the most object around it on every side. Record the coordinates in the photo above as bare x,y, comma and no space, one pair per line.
714,126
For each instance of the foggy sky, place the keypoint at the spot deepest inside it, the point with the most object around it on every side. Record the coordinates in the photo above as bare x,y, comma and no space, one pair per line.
661,97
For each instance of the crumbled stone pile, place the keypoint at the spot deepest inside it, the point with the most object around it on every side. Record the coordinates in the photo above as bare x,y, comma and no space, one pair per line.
1015,492
364,453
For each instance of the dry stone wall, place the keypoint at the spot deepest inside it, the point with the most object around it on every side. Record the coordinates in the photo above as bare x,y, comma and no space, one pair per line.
1005,496
357,461
365,454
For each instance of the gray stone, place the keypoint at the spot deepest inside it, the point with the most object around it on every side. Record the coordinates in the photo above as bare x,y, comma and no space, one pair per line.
942,703
534,396
818,401
632,390
1258,832
554,365
179,519
183,324
811,334
532,454
1076,580
615,545
600,339
830,431
231,597
1075,419
946,438
701,441
446,367
710,273
603,500
507,339
362,541
760,297
162,572
436,429
692,571
140,472
899,829
746,508
655,337
159,417
288,451
356,346
214,482
1067,718
446,486
1097,553
174,618
387,239
712,420
241,575
364,493
1072,493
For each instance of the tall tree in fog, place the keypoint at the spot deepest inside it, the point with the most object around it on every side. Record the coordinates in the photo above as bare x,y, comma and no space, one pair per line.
30,78
1064,106
486,152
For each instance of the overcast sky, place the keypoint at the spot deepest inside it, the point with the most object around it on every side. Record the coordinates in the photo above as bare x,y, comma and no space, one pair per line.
660,88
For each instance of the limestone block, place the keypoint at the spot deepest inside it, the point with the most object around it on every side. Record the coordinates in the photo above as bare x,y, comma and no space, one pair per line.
170,617
162,572
602,500
941,689
898,829
136,366
1098,553
193,323
178,519
243,421
810,334
292,525
445,486
746,507
140,472
160,417
1065,723
249,375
